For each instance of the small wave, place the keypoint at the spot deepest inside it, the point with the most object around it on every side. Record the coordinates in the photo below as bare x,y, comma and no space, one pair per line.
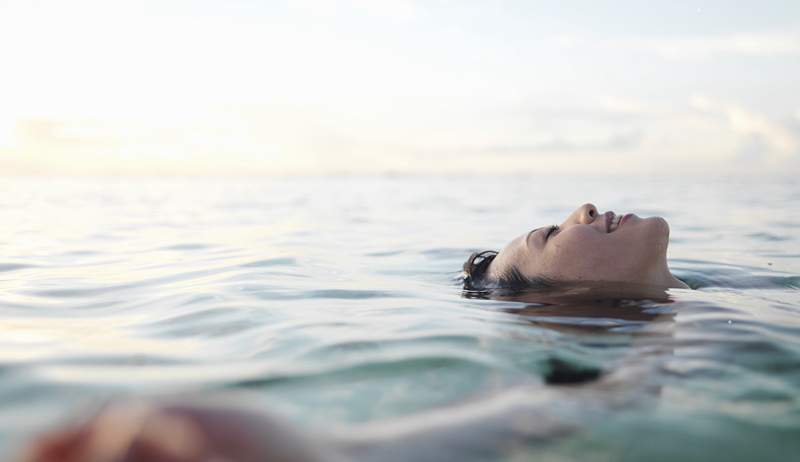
385,253
446,252
274,293
284,261
785,224
4,267
738,280
376,344
768,237
100,289
348,294
371,369
187,246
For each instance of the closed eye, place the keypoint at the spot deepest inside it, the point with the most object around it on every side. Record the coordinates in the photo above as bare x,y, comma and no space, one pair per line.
550,232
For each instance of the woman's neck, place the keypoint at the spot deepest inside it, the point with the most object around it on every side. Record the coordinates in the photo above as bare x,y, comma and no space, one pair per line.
667,279
676,283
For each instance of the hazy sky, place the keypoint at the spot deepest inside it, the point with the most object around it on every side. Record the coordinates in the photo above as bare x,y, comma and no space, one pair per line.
313,86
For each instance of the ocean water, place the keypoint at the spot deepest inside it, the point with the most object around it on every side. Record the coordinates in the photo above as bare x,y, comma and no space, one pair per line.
335,303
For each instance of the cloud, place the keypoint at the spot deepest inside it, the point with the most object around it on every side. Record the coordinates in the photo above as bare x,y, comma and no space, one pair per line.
400,11
557,144
760,136
618,142
760,44
753,148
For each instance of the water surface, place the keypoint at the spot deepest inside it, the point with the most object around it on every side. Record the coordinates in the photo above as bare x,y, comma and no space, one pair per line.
335,303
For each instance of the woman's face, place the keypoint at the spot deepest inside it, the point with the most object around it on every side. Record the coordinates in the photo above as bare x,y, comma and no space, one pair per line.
591,246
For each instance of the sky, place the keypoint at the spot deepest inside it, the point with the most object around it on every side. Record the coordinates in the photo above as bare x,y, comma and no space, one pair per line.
245,87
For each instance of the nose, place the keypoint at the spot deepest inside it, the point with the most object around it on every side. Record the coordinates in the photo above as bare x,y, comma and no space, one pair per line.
587,213
584,215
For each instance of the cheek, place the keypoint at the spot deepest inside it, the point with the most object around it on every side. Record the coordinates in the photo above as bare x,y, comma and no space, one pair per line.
578,255
647,240
585,255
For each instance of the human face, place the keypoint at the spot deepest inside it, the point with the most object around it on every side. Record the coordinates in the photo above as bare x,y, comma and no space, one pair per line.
592,247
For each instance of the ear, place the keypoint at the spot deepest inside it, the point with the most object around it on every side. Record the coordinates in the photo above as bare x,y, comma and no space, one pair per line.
467,267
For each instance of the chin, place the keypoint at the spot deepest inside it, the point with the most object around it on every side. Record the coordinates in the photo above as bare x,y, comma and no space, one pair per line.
659,223
658,231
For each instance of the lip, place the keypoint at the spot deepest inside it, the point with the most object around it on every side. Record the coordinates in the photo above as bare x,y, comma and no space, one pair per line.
622,220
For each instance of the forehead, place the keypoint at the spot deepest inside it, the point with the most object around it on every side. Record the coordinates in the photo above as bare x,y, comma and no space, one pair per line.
516,249
523,241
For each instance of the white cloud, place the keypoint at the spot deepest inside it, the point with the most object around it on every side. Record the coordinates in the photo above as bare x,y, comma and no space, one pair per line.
760,44
773,139
395,10
354,86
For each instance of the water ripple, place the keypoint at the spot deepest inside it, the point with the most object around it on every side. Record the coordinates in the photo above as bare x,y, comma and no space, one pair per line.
344,307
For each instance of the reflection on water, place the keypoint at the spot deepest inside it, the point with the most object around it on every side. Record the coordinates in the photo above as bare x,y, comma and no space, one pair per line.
335,302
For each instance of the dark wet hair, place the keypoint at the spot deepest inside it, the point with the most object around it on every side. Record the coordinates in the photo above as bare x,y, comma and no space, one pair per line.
476,276
475,269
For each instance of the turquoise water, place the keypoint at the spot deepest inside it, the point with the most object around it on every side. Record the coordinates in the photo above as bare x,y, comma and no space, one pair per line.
335,303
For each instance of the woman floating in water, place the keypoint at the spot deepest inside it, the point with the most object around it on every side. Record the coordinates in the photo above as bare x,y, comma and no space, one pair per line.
588,247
